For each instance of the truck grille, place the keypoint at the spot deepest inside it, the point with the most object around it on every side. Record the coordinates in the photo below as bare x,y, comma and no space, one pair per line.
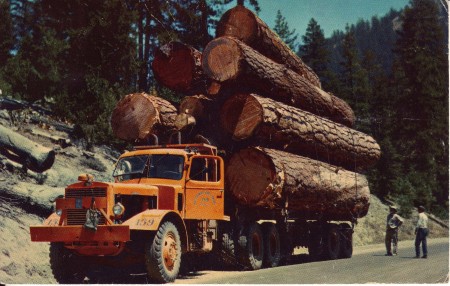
79,193
78,217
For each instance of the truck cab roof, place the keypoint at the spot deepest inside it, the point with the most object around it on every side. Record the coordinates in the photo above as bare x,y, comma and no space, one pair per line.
175,149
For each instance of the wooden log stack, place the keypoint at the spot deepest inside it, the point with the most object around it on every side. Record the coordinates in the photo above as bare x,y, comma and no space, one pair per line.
289,144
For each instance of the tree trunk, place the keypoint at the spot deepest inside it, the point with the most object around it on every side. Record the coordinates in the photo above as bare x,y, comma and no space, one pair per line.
178,67
261,177
138,115
30,154
274,124
226,59
244,25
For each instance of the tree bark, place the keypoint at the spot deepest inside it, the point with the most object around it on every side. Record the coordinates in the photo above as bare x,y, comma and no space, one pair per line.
243,24
226,59
267,178
274,124
30,154
138,115
178,67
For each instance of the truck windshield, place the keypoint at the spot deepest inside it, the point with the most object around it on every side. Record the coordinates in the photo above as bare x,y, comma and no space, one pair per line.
130,167
163,166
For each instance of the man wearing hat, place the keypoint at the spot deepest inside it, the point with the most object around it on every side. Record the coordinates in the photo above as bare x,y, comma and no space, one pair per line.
393,222
421,233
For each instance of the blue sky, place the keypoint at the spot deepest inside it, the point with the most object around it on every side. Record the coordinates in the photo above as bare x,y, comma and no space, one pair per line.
330,14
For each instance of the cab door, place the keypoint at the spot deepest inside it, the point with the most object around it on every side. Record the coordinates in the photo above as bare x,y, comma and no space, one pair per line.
205,188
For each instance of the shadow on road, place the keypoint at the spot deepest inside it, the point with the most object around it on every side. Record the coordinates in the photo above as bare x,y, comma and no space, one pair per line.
193,268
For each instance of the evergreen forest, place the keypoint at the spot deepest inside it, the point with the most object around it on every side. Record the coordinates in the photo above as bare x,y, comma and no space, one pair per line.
80,58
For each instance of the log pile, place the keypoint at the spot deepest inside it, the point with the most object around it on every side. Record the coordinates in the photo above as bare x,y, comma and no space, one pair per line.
289,144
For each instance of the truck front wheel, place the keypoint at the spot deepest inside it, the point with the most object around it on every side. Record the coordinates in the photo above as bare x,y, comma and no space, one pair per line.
163,254
67,267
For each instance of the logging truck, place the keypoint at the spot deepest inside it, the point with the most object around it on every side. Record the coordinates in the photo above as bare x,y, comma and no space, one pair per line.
174,200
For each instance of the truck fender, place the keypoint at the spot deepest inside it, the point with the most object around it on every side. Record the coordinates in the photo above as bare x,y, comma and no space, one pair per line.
150,220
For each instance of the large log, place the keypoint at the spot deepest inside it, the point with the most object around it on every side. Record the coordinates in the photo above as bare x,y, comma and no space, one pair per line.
178,67
30,154
274,124
244,25
267,178
225,59
138,115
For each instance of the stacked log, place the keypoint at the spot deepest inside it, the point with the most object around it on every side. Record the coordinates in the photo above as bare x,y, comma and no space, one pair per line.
178,67
226,59
139,115
280,126
243,24
261,177
289,144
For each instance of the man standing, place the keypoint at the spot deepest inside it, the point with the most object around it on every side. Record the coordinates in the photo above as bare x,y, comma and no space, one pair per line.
393,222
421,233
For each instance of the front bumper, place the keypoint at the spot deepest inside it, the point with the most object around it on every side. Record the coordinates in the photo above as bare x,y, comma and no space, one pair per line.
104,233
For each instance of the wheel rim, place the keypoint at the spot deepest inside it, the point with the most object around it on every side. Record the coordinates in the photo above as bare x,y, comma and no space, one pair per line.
170,251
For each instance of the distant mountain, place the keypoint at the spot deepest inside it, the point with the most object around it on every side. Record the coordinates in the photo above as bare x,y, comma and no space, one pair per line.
378,35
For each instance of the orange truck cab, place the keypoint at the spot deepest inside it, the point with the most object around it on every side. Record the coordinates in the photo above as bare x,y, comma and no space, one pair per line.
168,199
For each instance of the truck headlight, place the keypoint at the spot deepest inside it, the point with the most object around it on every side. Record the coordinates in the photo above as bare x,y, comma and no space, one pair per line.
118,209
59,212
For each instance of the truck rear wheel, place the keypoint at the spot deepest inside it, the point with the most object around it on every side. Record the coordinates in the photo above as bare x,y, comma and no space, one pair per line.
346,243
163,254
271,238
333,242
251,250
67,267
317,245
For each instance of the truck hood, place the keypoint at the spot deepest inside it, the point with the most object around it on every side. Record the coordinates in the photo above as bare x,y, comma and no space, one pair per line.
134,189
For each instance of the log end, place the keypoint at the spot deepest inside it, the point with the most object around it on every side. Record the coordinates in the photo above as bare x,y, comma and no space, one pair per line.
241,115
183,121
174,65
134,117
238,22
221,59
249,173
44,162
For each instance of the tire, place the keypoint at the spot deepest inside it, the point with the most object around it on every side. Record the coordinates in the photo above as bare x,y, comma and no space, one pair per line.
317,245
251,250
163,254
333,242
272,245
226,250
67,267
346,243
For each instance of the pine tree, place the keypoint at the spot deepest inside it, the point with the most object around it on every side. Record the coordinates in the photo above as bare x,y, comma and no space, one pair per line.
313,51
355,84
6,30
422,103
286,34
